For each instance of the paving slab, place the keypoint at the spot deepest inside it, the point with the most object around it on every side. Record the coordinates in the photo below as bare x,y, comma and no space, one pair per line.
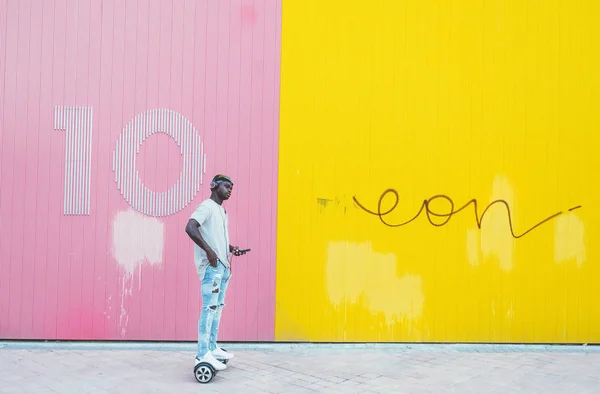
108,367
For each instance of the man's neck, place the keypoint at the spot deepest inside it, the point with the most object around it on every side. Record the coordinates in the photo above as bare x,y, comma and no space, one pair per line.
216,199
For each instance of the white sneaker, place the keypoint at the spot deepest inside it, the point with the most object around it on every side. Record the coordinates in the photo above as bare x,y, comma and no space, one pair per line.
209,358
222,354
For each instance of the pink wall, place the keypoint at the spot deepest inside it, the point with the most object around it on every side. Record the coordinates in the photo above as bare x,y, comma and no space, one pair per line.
77,261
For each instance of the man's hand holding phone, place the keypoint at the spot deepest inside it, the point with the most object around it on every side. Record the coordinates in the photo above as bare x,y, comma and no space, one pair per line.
239,252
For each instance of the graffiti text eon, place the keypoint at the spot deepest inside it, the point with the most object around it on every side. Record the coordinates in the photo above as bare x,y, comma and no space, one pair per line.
446,216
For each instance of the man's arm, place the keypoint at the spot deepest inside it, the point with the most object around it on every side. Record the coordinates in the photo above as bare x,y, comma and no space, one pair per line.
192,231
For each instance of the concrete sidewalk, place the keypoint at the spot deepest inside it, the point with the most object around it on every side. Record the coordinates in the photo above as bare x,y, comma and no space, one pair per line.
39,367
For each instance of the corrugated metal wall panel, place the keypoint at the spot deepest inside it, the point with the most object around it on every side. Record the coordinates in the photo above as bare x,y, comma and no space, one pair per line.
94,95
4,267
463,99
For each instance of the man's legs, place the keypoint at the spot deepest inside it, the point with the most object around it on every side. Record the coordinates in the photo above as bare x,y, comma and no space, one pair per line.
211,287
212,345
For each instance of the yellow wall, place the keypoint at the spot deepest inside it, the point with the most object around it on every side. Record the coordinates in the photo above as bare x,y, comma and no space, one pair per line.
469,99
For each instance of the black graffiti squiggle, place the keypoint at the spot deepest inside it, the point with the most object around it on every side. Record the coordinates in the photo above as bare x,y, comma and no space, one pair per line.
425,206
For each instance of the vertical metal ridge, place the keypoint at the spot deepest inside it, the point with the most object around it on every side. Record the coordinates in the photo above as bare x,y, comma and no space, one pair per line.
74,152
158,203
128,162
153,203
148,121
123,160
65,187
196,161
150,202
202,164
117,156
67,160
193,162
183,167
169,201
140,134
171,131
69,130
145,197
142,124
154,125
89,164
118,161
79,159
166,127
84,161
176,195
82,167
136,151
186,167
131,161
199,162
180,127
122,140
159,118
74,162
151,127
190,162
123,174
138,190
134,146
172,124
67,163
176,136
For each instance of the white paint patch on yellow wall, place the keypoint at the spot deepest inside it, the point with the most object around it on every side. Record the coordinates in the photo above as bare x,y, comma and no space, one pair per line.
569,239
494,239
355,270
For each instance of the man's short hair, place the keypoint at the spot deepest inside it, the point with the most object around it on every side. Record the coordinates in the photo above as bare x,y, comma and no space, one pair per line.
218,179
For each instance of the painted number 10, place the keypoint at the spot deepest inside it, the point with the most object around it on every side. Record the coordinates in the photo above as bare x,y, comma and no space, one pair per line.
77,123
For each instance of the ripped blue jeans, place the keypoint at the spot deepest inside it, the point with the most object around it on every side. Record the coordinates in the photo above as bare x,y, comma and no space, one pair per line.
213,287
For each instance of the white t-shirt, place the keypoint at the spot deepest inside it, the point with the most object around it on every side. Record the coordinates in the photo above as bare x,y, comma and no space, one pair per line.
213,228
